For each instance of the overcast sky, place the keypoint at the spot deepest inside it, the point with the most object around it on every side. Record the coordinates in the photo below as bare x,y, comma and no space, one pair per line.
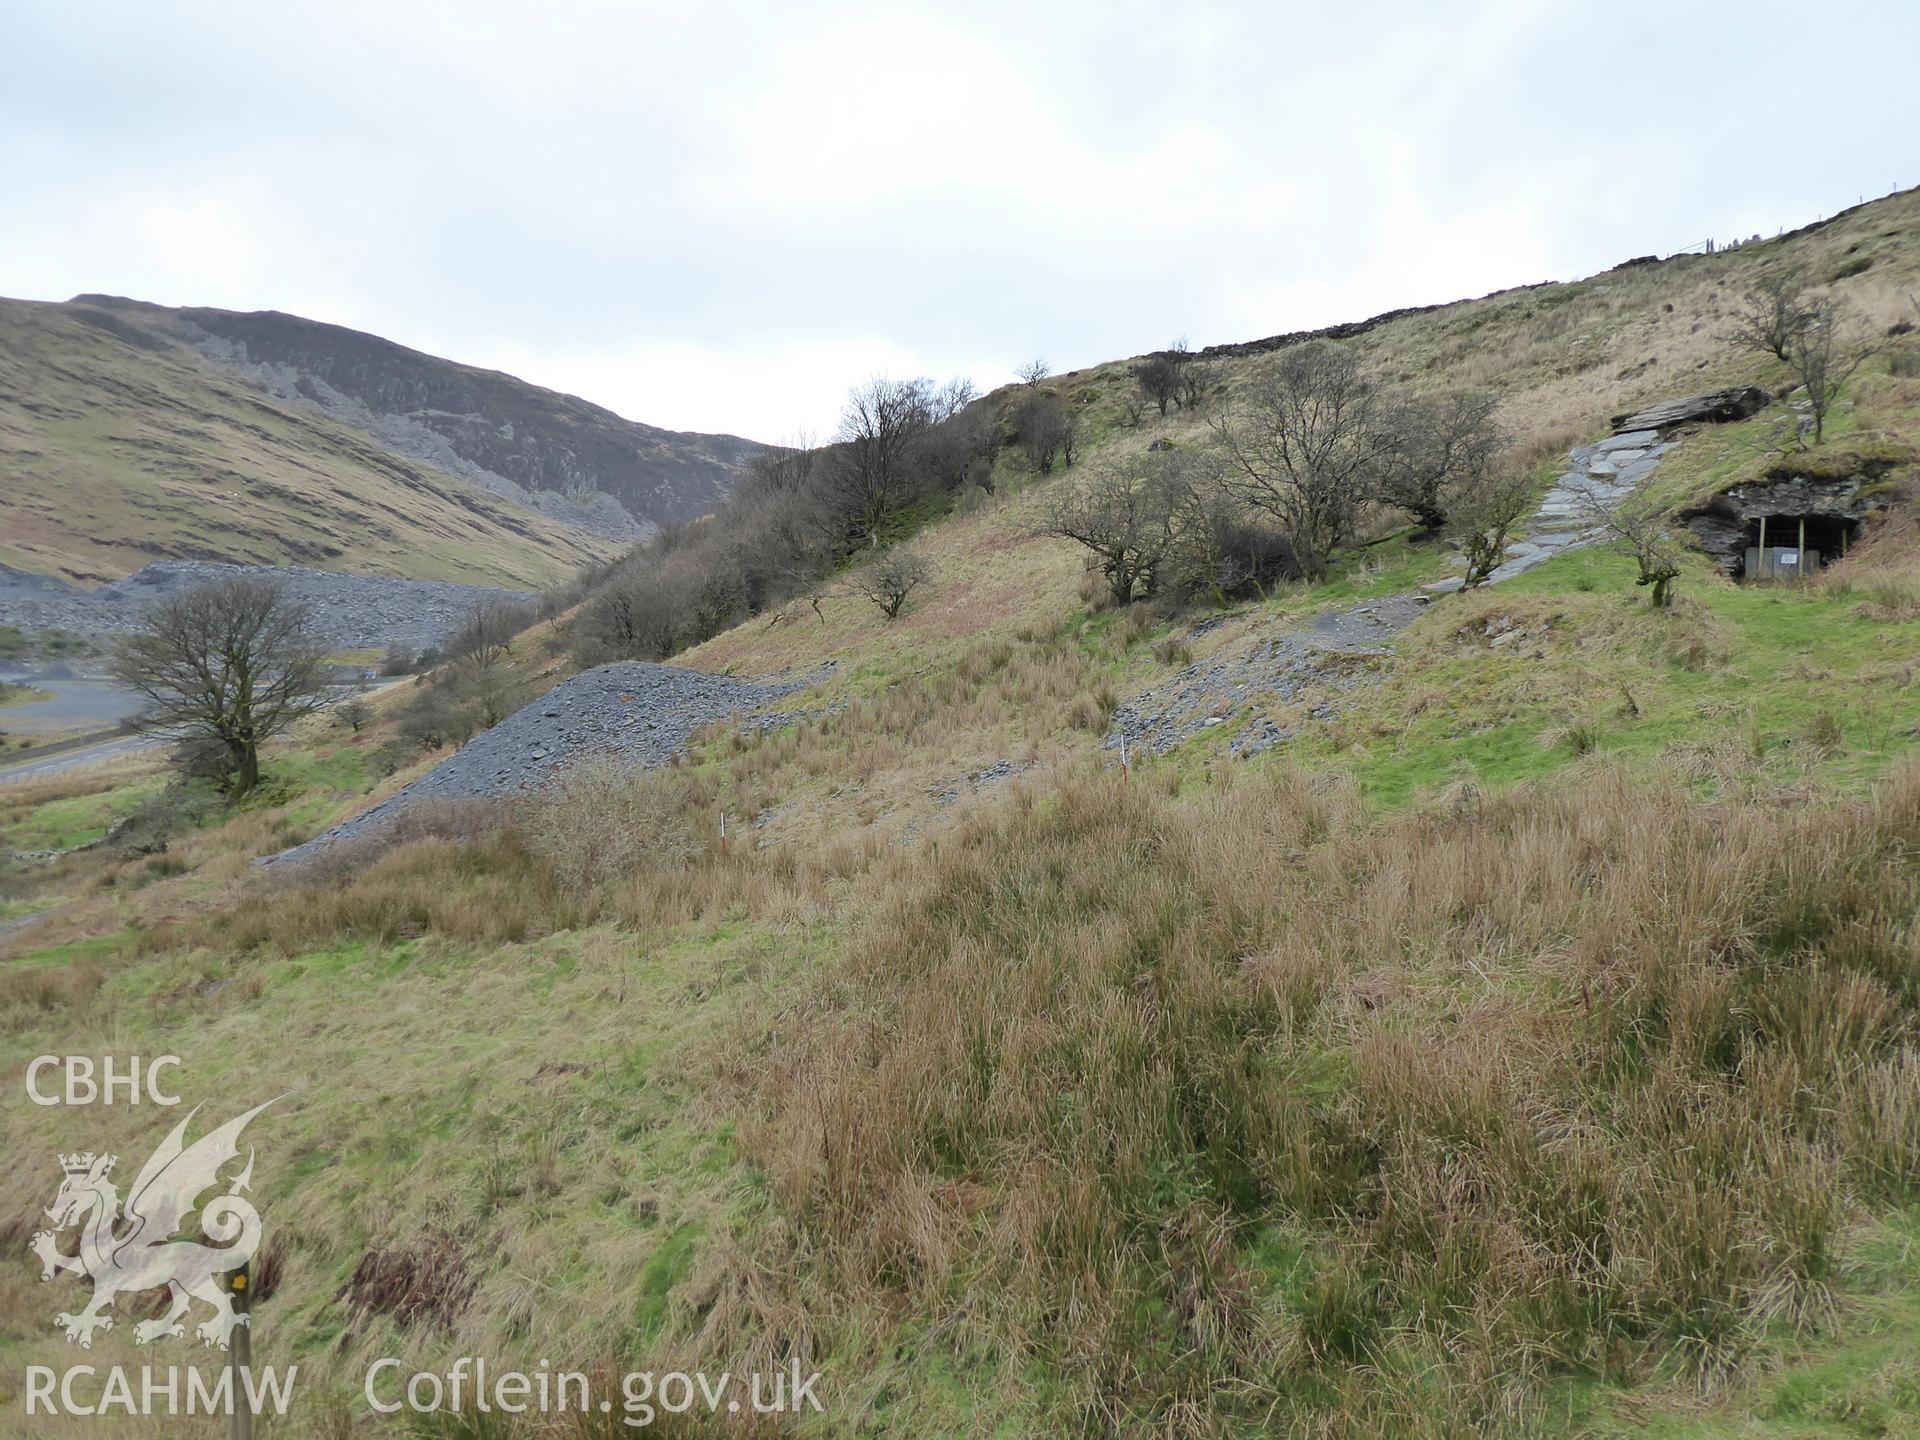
718,217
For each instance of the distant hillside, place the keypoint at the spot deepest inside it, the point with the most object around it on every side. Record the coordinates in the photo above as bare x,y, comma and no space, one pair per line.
132,432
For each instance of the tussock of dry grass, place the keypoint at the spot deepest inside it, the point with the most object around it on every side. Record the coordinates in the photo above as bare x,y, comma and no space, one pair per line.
1569,1079
1883,570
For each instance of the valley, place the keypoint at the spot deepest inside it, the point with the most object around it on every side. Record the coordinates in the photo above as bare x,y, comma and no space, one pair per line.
130,433
1460,1009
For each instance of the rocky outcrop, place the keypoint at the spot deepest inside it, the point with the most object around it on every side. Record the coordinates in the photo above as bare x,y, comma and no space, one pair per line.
1718,406
1725,525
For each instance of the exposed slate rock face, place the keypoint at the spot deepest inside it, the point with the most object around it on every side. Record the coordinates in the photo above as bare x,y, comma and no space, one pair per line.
554,452
1718,406
1722,524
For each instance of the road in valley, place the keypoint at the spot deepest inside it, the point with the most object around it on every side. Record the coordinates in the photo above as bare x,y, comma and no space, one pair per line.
106,747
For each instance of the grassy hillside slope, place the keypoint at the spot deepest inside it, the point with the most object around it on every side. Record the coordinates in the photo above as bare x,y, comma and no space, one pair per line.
119,449
1527,1047
540,439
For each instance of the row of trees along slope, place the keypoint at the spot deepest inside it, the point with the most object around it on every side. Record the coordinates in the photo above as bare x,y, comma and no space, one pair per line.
1303,448
1290,465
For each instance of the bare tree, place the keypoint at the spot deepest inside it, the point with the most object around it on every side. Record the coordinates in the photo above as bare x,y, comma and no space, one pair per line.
1158,377
353,713
486,639
890,577
1824,353
1771,312
1033,372
1483,511
230,664
1041,423
948,400
1435,442
1195,380
1306,446
788,470
1130,515
1217,552
489,695
1641,533
1133,409
400,659
870,475
957,440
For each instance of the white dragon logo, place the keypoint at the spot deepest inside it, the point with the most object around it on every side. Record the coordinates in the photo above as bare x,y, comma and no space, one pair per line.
124,1250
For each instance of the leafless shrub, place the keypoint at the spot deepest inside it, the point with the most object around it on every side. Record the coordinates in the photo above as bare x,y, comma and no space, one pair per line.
1196,380
352,714
1158,377
486,639
604,822
1771,312
1131,515
1306,446
1043,425
1824,351
399,660
870,474
1435,444
1221,554
889,578
1642,534
1484,512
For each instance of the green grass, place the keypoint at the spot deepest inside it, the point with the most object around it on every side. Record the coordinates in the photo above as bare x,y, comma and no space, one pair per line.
80,820
1858,1381
94,948
481,1086
1860,439
1798,674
